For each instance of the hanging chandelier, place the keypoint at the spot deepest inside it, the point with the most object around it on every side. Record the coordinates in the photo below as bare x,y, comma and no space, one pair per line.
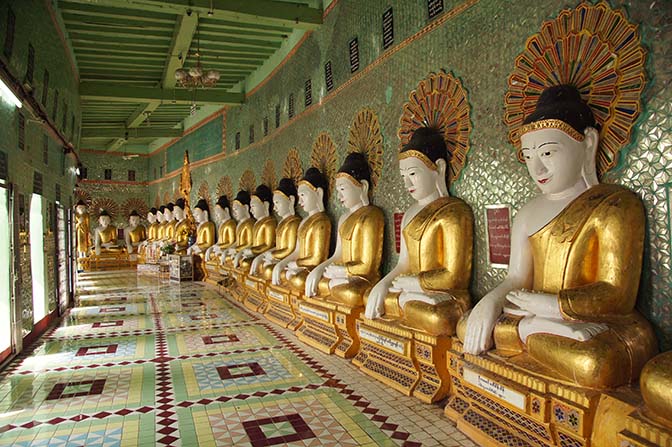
196,76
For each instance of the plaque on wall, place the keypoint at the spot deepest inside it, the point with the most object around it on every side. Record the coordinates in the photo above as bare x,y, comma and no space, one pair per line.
498,234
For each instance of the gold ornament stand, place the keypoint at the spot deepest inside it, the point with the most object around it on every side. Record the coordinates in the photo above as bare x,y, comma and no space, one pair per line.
255,298
330,327
409,361
498,401
642,431
283,307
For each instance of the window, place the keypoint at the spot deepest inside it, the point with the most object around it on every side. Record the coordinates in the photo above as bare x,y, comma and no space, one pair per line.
277,116
308,90
9,33
328,76
291,106
22,131
55,105
434,8
4,169
45,88
354,55
388,29
72,127
265,126
30,66
37,182
65,116
237,140
251,133
58,192
161,171
83,173
45,149
155,176
131,175
108,174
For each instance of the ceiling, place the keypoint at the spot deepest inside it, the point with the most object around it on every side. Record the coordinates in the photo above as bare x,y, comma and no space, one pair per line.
127,51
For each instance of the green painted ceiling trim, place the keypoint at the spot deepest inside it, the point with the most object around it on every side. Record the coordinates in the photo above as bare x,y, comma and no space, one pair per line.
102,47
107,36
183,34
211,47
209,32
123,56
112,9
163,33
263,12
208,22
131,64
111,92
126,22
138,132
254,43
91,38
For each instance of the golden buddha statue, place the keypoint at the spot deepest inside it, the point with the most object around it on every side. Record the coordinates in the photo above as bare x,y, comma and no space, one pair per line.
106,235
576,257
226,233
182,227
152,233
82,230
314,234
169,223
422,298
244,228
205,232
263,232
336,287
284,202
135,233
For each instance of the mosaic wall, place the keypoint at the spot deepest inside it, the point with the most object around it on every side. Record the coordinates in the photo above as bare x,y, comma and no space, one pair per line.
478,42
26,156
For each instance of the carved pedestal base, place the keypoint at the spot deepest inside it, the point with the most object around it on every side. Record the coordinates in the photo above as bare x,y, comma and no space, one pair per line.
213,274
644,431
330,327
111,260
409,361
283,307
498,401
255,297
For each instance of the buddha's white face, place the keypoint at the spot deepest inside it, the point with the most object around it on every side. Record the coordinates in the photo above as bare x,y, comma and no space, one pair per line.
309,199
240,211
282,204
349,193
80,209
167,215
199,215
151,218
419,180
104,221
134,220
178,213
258,208
220,214
554,159
160,218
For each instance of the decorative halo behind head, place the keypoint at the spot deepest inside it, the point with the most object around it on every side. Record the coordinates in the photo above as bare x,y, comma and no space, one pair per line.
137,204
323,157
204,191
356,168
595,49
366,138
247,181
107,204
292,167
286,187
133,213
224,187
440,102
268,174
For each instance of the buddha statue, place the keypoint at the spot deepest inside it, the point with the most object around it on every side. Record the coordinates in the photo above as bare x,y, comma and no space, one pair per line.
313,235
152,231
263,232
284,202
182,227
226,233
205,232
568,301
82,229
106,235
244,227
135,233
355,265
168,233
428,288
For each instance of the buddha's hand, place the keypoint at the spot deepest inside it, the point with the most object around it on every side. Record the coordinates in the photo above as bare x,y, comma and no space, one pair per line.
407,283
540,304
247,253
480,324
277,272
129,248
375,305
236,259
336,272
313,281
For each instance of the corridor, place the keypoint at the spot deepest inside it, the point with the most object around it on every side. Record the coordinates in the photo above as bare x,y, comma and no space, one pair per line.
145,362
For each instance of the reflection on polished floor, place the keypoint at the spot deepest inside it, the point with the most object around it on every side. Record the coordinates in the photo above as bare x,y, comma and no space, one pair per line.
145,362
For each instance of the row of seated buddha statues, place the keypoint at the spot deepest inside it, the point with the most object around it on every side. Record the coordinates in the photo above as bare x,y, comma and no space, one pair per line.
551,356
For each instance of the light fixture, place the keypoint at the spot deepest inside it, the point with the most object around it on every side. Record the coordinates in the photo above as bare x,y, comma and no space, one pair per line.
196,76
8,95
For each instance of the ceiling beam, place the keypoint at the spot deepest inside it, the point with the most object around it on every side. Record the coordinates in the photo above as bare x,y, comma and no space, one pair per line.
98,91
120,132
269,12
183,34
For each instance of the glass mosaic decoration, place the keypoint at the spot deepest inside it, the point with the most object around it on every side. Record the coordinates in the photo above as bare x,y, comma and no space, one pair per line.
365,137
204,192
439,101
247,182
323,157
292,167
597,50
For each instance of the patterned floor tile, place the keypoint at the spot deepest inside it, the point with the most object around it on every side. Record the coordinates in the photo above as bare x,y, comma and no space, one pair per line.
103,325
229,338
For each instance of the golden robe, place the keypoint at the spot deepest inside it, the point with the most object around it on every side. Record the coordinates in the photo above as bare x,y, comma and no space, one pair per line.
313,239
285,242
263,238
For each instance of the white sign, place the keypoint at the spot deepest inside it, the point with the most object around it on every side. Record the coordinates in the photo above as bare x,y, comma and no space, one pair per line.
278,296
495,388
251,284
382,340
314,312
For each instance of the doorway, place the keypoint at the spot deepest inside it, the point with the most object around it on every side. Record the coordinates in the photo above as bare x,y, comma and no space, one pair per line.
37,269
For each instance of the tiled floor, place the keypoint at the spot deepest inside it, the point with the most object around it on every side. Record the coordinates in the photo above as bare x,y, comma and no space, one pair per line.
145,362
